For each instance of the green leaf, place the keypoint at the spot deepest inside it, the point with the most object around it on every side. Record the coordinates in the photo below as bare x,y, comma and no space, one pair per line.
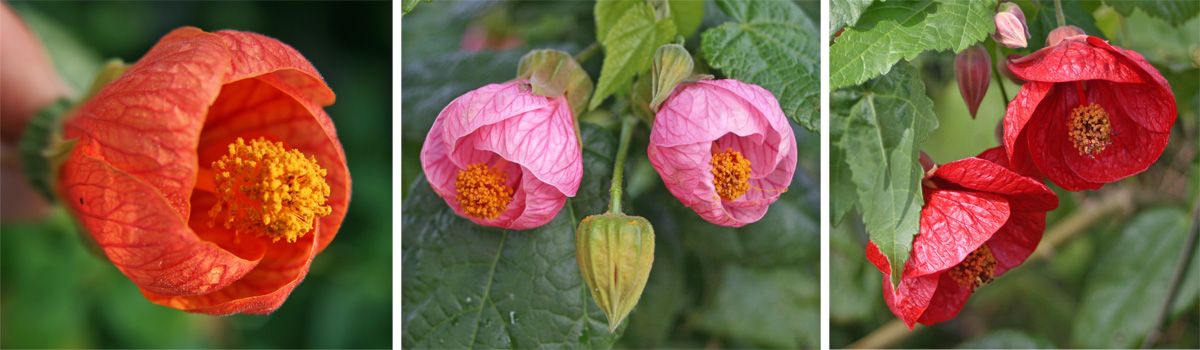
773,45
889,118
1042,19
1175,12
629,45
777,308
844,13
889,31
408,5
687,15
1126,288
467,285
843,195
1007,339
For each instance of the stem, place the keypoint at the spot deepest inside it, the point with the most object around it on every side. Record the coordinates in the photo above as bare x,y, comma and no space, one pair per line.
627,124
1181,266
999,78
587,52
885,336
1058,13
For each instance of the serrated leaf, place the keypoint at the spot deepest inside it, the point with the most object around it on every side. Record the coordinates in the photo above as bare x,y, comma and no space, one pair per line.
778,307
843,196
1175,12
1044,19
470,286
773,45
892,30
844,13
687,15
1127,286
629,44
889,118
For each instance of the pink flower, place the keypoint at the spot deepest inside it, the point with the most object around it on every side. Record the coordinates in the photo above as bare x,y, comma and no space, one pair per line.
724,148
502,156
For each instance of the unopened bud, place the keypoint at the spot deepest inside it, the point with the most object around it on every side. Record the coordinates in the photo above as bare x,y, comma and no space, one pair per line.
1058,34
1007,73
615,253
973,68
1011,30
672,64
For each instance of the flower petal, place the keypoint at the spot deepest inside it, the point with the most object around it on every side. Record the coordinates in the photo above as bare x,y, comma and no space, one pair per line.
913,297
1023,193
1016,240
254,55
709,109
1133,147
1047,137
953,224
947,301
1076,59
1019,113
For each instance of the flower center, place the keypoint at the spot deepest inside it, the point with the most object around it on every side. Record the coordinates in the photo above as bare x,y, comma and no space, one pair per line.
269,190
482,192
976,270
731,174
1090,129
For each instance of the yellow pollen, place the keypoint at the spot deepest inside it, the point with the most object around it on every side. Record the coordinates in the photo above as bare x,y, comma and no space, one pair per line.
976,270
482,192
268,190
1090,129
731,174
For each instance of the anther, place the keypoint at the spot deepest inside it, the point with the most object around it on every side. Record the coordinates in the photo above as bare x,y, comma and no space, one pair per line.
1090,129
731,174
482,192
268,190
976,270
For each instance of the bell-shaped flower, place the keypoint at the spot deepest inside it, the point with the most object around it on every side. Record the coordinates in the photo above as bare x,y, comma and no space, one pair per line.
208,172
503,156
1089,114
979,220
724,149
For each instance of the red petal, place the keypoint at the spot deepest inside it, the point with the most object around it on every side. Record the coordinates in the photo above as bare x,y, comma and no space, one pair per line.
1020,112
254,55
1151,105
1016,240
262,290
953,224
913,298
1077,60
947,301
1133,147
1023,193
878,259
1048,140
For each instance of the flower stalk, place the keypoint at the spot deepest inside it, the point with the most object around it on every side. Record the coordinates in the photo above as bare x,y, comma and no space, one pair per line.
627,125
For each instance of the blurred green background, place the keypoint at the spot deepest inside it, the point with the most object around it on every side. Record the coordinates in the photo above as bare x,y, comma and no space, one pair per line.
1105,281
58,294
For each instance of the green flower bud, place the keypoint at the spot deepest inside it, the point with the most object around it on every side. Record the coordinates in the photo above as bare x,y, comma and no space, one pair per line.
615,253
553,73
672,64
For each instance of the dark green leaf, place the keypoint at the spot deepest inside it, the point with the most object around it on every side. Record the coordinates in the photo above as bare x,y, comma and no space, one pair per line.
629,44
845,13
777,307
1042,19
774,45
889,118
1007,339
687,15
1175,12
408,5
467,285
843,196
889,31
1127,286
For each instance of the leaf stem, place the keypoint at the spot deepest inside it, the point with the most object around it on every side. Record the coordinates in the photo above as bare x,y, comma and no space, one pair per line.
627,125
1062,21
999,78
1181,266
587,52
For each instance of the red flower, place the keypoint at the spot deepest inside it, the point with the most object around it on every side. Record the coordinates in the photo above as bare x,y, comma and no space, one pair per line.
1090,113
208,172
980,219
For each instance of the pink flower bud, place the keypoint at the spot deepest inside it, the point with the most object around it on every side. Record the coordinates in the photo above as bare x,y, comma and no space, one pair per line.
724,149
1011,30
973,68
502,156
1058,34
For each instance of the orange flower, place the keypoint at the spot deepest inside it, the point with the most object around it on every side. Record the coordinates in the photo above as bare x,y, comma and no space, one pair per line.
209,172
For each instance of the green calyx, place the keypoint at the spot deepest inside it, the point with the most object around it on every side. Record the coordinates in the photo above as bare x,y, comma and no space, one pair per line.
615,253
554,73
672,65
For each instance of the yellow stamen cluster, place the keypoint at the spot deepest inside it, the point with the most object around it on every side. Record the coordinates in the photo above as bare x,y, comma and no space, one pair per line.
269,190
976,270
1090,129
482,192
731,174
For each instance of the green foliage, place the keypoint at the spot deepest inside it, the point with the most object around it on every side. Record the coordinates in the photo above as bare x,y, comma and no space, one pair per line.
630,32
844,13
775,307
892,30
1124,292
773,45
1007,339
1175,12
687,15
886,120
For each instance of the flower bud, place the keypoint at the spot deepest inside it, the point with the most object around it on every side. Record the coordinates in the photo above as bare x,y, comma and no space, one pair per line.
554,73
615,253
1058,34
1007,73
672,64
1011,30
973,67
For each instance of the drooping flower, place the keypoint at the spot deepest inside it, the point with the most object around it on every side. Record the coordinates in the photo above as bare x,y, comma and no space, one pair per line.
724,149
209,172
503,156
980,219
1090,113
